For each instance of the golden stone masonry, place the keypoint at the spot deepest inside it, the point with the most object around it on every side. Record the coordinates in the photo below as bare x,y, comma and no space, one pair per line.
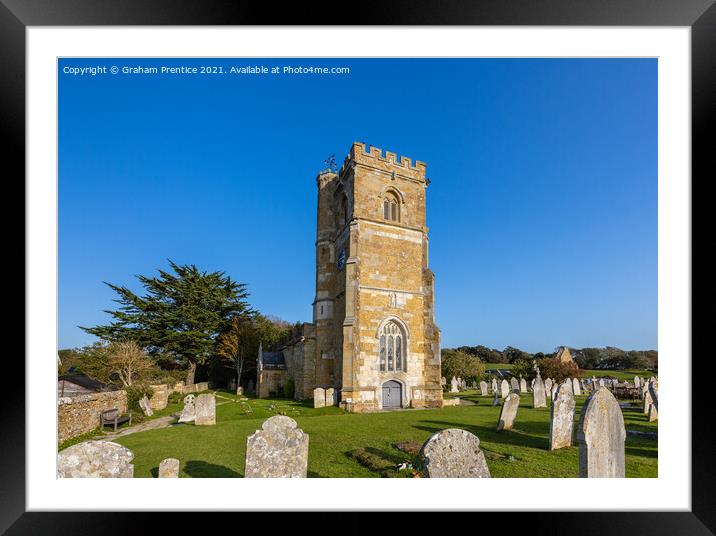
373,336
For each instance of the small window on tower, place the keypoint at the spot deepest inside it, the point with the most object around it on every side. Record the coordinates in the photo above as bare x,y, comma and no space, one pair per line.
391,207
386,208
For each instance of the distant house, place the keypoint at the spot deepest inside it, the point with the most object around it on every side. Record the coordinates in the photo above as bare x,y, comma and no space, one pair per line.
78,384
564,355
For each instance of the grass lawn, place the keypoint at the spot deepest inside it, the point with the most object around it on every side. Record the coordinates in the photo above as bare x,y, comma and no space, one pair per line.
219,451
620,375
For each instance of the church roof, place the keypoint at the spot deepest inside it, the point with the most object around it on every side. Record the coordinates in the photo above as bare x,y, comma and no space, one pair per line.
273,359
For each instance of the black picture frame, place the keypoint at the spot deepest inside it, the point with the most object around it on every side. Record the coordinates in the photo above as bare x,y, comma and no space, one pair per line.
699,15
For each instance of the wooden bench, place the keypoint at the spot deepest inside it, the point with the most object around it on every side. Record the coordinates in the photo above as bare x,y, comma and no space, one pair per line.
112,417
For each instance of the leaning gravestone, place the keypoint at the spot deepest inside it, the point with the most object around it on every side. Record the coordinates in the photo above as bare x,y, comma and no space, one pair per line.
319,397
454,453
145,407
514,385
601,436
454,385
539,399
205,410
188,414
95,459
483,388
523,385
508,413
504,388
331,397
561,419
576,387
278,450
169,468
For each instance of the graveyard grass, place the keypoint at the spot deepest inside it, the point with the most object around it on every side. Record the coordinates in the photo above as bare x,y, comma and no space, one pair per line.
220,450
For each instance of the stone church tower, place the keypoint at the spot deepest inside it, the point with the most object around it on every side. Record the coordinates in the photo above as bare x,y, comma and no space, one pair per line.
373,315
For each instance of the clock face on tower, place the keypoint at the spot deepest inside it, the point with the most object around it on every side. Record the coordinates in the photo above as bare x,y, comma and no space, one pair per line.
341,259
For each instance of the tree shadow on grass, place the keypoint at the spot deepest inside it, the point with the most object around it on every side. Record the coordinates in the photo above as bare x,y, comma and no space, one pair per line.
200,469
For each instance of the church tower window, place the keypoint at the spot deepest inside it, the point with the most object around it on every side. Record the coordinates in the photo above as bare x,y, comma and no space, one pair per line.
391,208
391,348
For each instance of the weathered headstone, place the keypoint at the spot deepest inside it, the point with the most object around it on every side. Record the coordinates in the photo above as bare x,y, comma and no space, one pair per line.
523,385
205,410
539,399
637,382
508,412
601,436
169,468
278,450
160,397
504,388
239,391
454,385
654,406
483,388
653,413
331,397
145,406
95,459
548,384
319,397
648,400
454,453
494,384
514,385
601,382
576,387
188,413
567,384
443,381
562,419
496,399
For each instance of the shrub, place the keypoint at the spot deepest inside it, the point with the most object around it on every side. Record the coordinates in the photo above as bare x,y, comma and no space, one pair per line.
289,389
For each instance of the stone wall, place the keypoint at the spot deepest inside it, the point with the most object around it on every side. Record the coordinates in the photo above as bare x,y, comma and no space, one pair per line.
80,414
160,397
271,381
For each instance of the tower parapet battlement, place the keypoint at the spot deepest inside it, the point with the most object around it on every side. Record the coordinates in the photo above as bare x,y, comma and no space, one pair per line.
388,161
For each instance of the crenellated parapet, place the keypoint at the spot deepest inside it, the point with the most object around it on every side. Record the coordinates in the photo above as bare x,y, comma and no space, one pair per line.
386,161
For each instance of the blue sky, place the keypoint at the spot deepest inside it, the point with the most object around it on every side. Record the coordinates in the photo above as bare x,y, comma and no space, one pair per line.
542,206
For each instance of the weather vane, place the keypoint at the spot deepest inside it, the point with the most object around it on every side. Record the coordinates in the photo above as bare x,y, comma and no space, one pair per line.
330,163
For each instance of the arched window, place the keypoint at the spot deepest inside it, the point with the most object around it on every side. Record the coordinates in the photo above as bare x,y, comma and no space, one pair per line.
392,348
391,207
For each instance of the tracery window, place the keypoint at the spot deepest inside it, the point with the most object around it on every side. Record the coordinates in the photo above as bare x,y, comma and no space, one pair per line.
392,348
391,208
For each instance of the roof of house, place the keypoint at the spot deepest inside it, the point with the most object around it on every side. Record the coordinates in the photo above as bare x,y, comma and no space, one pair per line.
83,381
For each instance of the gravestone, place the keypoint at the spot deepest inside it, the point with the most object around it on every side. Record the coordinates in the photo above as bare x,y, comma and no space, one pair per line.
331,397
169,468
601,436
508,413
601,382
95,459
654,406
653,413
443,381
454,453
278,450
648,400
496,399
561,421
514,385
504,388
188,413
453,385
239,390
523,385
205,410
548,384
567,384
483,388
637,382
319,397
494,384
576,387
539,399
145,406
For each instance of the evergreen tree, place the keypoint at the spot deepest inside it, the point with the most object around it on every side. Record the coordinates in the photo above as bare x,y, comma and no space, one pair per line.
181,314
